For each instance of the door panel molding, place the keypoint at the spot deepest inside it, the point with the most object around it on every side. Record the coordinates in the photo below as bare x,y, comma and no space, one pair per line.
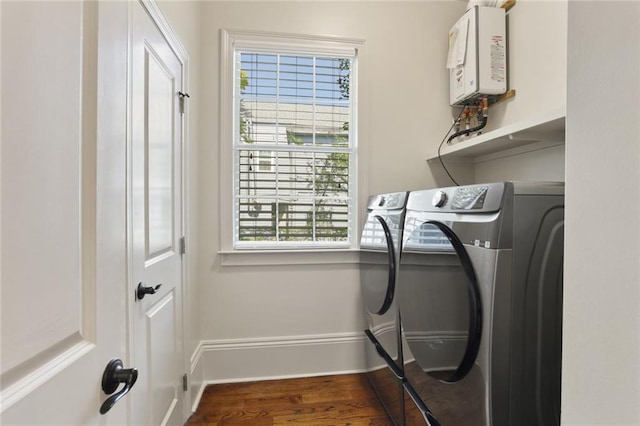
162,338
49,203
31,375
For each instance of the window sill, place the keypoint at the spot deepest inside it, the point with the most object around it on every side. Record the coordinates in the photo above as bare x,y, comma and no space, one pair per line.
289,257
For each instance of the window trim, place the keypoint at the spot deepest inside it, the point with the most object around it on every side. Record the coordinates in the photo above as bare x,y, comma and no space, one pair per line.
290,43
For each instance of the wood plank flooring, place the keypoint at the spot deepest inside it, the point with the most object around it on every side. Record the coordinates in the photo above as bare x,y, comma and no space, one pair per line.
318,401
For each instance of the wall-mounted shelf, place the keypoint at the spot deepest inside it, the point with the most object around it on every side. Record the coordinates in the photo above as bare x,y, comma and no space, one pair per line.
541,131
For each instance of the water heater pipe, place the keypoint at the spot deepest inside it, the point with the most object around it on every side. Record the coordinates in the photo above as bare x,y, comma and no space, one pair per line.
481,124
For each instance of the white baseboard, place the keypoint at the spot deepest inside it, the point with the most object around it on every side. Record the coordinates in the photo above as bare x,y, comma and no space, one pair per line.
196,383
247,360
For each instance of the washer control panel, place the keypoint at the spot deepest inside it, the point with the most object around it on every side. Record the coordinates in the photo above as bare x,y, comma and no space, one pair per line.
390,201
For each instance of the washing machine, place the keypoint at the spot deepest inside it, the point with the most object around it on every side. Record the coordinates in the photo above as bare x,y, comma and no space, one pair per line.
480,296
379,252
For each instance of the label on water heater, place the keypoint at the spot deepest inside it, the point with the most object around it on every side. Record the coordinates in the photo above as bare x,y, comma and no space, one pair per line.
459,79
498,59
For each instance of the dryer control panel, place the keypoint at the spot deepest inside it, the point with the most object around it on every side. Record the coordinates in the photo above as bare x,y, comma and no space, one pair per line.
485,198
469,198
391,201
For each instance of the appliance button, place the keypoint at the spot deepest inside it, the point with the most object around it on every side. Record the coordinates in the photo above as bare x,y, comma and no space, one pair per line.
439,199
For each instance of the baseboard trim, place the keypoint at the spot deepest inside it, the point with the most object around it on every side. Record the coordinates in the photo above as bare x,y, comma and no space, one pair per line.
254,359
198,397
196,384
196,357
276,342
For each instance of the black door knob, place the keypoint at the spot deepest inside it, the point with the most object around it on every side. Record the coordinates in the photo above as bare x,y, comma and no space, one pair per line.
113,375
143,290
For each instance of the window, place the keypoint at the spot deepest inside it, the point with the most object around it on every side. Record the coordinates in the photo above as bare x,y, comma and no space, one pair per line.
294,144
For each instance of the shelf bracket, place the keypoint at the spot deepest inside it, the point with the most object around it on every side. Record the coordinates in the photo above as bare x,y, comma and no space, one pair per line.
498,99
508,4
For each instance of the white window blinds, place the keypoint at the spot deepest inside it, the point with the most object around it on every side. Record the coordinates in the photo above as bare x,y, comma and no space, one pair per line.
294,149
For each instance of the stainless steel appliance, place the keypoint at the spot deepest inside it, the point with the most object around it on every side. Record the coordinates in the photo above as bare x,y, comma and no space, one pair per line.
380,248
480,296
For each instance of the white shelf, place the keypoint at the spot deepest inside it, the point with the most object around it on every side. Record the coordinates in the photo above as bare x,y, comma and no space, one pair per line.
538,132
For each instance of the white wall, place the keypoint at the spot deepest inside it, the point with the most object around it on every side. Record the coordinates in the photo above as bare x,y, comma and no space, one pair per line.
538,74
537,37
403,97
601,367
546,164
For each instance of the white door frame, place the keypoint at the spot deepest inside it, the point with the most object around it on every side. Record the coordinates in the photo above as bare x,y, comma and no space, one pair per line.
159,19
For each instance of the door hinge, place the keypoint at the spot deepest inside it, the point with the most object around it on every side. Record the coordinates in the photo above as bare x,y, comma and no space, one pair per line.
183,245
182,95
185,385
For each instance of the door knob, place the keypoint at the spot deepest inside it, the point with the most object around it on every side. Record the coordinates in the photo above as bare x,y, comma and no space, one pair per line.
113,375
143,290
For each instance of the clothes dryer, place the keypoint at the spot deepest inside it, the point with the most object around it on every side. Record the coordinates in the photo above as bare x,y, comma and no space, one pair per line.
379,251
480,297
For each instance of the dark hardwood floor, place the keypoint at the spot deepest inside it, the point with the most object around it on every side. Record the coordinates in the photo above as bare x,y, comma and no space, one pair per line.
318,401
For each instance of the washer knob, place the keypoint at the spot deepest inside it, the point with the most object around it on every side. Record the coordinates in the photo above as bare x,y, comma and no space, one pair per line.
439,199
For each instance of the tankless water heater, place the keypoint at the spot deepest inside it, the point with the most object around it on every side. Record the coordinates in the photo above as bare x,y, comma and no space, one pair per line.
477,59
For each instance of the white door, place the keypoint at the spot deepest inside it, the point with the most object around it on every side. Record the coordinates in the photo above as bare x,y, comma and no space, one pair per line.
156,223
63,210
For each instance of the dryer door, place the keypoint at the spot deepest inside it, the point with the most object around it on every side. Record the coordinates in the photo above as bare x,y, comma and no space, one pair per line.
378,265
439,300
441,316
